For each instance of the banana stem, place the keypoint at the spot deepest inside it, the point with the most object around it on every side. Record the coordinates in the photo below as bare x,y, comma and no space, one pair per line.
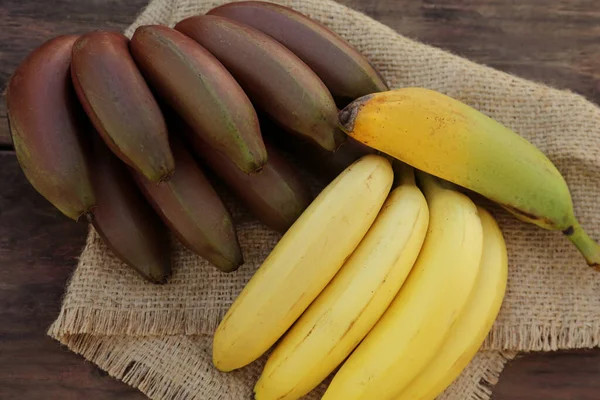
585,244
429,183
406,173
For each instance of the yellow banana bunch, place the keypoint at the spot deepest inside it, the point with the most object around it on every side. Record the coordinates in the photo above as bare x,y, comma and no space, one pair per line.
414,327
303,262
473,325
447,138
354,300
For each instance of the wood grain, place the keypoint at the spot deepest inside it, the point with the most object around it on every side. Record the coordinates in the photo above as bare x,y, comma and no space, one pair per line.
27,24
555,42
563,375
38,251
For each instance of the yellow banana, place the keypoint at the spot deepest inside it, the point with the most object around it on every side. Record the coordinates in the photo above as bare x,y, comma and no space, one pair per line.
302,263
354,300
469,332
447,138
413,328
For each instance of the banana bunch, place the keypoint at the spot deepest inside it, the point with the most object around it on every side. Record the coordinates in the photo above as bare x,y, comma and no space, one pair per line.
399,312
170,104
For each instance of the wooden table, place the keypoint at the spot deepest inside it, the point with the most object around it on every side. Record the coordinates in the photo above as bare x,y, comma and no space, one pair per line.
557,42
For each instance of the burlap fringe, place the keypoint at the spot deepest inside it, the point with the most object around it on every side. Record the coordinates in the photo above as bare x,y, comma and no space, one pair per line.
113,355
74,321
483,390
535,337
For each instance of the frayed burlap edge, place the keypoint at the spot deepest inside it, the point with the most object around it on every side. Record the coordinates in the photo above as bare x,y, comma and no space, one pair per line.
71,321
121,358
536,337
89,320
113,354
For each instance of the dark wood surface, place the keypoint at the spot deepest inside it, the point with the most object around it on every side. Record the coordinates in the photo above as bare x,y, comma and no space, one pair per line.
557,42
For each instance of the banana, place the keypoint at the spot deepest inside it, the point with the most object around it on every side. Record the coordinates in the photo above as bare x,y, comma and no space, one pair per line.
274,78
413,328
302,263
346,73
447,138
194,212
48,128
354,300
473,325
276,195
120,105
125,221
199,88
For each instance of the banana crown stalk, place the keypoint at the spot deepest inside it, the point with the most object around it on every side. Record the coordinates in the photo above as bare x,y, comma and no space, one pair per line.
451,140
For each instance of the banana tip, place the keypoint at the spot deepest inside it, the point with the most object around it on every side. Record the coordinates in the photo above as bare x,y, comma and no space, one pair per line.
88,215
166,177
587,246
256,170
347,116
163,279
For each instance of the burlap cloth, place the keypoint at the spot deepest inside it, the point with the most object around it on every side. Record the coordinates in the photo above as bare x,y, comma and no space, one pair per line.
158,338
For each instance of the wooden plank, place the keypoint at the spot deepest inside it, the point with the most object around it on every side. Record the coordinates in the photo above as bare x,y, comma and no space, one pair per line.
38,251
38,246
5,139
555,42
551,376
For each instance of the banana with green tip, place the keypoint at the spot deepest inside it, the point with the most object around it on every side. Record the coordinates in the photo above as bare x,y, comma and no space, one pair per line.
449,139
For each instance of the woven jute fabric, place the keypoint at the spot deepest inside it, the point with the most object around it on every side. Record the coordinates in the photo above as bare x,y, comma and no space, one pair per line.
158,338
